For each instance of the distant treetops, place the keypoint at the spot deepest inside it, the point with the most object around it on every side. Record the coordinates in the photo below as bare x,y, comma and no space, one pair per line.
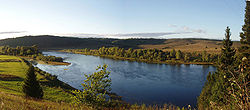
150,55
32,52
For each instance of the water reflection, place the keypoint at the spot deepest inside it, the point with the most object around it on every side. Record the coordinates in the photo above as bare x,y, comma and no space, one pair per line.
137,82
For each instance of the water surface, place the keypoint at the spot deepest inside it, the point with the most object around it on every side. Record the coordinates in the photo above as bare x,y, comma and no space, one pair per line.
137,82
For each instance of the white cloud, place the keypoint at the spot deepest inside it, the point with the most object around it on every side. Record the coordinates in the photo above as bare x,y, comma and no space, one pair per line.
188,29
12,32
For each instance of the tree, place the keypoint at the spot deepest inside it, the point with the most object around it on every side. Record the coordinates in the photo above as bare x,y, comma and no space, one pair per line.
95,88
178,55
227,57
187,57
215,91
245,35
31,87
204,56
172,53
239,90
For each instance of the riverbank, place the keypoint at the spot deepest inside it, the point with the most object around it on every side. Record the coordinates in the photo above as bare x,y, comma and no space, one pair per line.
57,94
140,60
185,81
35,61
13,74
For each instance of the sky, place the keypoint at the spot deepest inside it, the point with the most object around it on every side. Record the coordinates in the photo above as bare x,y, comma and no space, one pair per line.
122,18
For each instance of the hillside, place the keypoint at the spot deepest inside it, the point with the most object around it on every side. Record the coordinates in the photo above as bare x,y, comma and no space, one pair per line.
191,45
56,42
12,74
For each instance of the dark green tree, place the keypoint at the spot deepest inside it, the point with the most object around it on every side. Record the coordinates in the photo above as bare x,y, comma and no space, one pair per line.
240,86
31,87
215,90
245,35
227,56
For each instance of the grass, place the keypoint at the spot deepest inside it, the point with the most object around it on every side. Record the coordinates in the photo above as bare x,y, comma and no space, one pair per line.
190,45
18,69
15,102
57,95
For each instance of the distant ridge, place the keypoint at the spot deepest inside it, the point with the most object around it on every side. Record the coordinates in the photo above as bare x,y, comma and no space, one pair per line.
57,42
50,42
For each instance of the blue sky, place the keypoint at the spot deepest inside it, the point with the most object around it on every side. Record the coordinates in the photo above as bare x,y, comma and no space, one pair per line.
122,18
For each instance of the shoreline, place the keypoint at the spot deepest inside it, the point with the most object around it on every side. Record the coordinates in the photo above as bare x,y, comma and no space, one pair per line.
171,62
45,62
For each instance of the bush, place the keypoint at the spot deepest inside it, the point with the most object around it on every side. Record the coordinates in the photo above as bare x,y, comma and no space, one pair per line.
95,89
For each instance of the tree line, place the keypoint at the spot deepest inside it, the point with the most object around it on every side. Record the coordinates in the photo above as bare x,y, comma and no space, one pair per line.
150,55
20,50
28,51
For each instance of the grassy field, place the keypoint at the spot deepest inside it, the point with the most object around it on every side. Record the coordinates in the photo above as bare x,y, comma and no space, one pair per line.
11,80
12,74
190,45
15,102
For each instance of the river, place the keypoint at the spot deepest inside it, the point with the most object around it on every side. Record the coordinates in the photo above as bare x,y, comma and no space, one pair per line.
137,82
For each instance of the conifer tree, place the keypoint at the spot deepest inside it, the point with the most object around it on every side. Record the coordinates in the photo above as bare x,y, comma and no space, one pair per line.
31,87
240,86
227,56
245,35
215,90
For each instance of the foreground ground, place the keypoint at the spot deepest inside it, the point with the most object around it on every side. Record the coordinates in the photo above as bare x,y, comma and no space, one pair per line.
56,96
12,74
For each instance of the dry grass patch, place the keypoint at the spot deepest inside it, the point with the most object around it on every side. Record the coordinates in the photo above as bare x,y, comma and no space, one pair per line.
6,77
13,102
190,45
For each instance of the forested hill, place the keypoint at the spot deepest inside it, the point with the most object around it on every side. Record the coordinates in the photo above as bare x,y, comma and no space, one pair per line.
56,42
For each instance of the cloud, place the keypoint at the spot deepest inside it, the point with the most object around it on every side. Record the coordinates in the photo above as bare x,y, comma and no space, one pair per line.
188,29
129,35
199,31
12,32
146,35
172,25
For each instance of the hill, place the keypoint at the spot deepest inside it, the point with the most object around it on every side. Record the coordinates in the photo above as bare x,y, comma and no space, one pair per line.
191,45
55,42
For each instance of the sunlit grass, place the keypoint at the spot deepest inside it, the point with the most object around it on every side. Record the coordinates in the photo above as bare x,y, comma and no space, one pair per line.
13,102
15,87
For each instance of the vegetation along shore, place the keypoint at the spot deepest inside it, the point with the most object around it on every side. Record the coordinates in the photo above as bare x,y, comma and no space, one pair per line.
150,55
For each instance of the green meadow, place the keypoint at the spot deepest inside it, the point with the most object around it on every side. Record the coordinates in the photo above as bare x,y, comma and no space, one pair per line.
12,73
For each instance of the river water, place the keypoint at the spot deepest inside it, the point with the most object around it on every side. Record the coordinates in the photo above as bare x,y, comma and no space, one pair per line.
137,82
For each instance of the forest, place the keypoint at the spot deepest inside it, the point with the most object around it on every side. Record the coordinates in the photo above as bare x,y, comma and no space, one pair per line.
150,55
28,51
